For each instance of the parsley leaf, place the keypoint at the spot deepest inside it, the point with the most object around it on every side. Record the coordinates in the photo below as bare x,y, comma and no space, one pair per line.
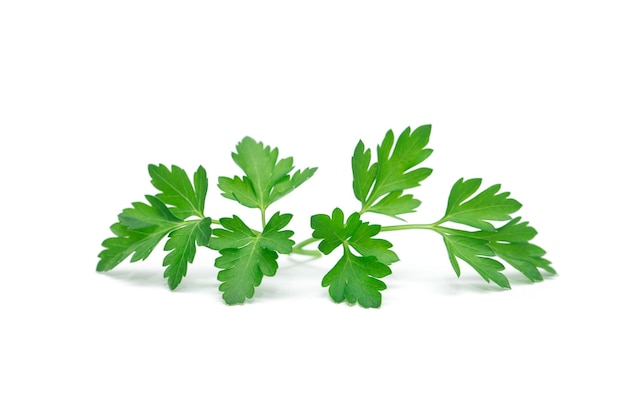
266,179
136,242
355,277
143,226
142,215
475,252
509,243
247,255
177,190
182,246
138,232
380,186
486,206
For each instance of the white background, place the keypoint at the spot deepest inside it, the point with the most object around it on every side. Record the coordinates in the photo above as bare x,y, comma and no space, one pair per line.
530,95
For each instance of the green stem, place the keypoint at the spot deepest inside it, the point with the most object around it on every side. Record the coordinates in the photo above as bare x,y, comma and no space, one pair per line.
263,218
299,248
433,227
390,228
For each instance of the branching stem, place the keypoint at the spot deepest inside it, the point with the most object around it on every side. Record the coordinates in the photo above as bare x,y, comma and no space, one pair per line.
299,248
436,227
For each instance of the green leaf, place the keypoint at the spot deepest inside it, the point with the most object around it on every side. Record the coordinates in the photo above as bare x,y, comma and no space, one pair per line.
509,243
355,277
143,216
136,242
380,187
488,205
141,242
395,203
364,175
138,232
476,252
332,230
288,184
524,257
362,240
247,256
143,226
204,232
513,231
486,248
177,190
201,186
182,247
266,179
238,189
393,167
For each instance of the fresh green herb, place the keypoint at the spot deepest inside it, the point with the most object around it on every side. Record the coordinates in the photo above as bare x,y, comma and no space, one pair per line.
509,242
354,278
266,180
380,187
142,227
477,227
248,255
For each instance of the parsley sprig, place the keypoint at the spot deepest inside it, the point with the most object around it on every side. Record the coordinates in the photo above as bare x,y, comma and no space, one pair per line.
246,254
142,227
478,226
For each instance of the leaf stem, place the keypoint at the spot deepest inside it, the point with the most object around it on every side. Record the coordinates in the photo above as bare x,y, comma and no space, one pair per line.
364,207
299,248
436,227
390,228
